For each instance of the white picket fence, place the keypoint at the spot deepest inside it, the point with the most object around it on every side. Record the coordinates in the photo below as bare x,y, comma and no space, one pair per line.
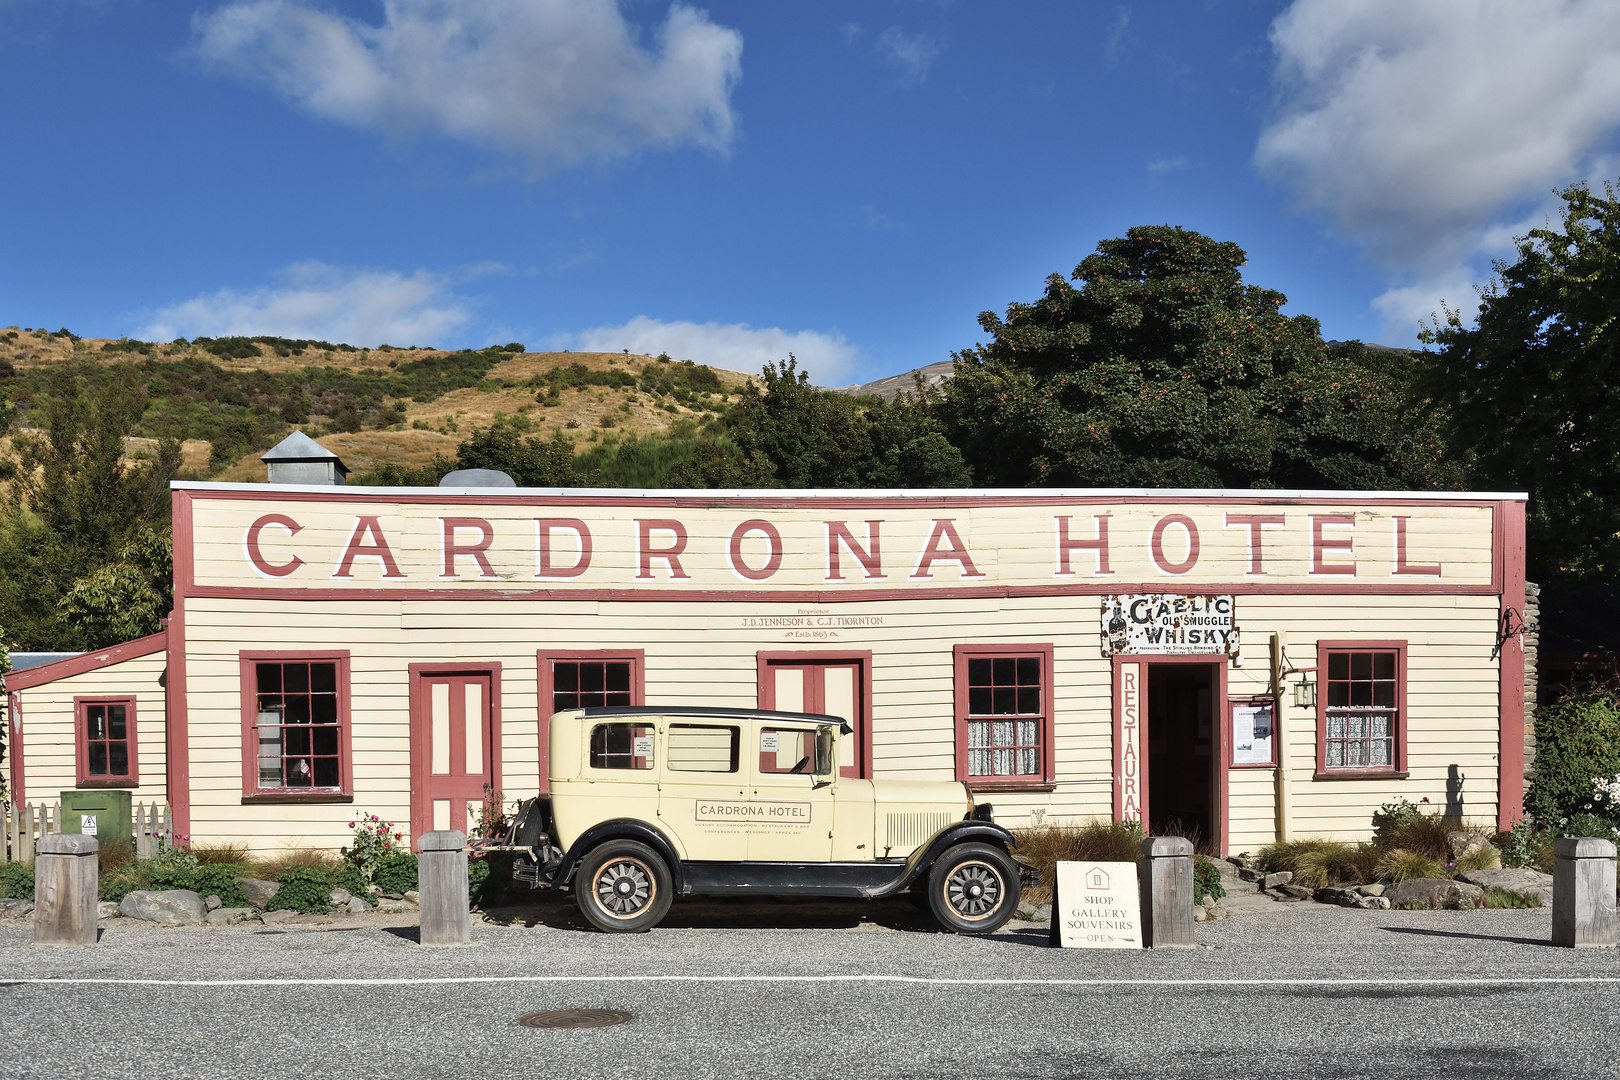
22,826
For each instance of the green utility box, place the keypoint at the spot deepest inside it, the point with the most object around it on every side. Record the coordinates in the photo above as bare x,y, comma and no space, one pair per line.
103,813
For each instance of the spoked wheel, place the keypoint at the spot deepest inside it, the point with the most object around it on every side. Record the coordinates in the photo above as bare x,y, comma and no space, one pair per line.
623,887
974,889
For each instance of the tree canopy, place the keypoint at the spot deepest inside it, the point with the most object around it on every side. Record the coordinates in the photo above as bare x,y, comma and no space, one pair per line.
1529,387
1162,368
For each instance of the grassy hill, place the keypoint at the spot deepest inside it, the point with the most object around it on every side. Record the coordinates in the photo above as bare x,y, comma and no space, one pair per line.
230,399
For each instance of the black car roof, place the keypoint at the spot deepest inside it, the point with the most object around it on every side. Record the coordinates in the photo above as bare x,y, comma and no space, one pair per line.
598,711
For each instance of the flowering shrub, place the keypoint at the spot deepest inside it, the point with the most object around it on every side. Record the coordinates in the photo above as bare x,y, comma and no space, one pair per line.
374,840
1577,739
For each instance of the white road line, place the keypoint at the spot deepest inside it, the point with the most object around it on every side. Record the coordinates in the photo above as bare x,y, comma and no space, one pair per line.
911,980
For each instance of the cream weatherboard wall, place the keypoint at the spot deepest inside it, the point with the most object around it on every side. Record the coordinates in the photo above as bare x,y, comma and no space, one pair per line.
703,585
48,735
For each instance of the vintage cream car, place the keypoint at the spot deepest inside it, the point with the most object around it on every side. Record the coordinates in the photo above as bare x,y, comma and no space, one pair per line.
647,804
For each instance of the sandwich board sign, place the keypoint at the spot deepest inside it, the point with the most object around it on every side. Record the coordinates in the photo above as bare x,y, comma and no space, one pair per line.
1096,905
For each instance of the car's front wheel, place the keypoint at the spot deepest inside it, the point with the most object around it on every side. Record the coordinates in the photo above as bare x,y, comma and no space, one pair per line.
623,887
974,889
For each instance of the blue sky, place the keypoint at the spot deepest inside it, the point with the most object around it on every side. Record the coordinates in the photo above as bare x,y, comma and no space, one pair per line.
854,182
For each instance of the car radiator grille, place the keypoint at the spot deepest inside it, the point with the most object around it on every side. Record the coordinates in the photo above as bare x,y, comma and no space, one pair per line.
905,831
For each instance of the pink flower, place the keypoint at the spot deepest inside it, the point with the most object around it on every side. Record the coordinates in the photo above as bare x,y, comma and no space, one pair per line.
351,824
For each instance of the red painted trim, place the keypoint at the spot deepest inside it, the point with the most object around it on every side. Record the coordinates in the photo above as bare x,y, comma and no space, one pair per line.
85,662
14,746
81,748
177,717
1220,789
544,685
1124,697
842,596
960,655
1231,744
421,810
1510,754
1402,719
1360,774
765,691
250,743
710,499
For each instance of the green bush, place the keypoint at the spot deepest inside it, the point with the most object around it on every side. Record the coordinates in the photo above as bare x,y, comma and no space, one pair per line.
121,882
304,889
1206,880
1577,741
223,880
348,877
396,873
17,881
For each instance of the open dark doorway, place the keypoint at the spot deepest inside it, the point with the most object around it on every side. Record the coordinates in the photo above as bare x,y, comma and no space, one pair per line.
1181,731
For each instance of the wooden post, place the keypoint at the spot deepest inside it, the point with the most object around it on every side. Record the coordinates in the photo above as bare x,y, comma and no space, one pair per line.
442,882
1166,874
1278,737
66,883
1583,893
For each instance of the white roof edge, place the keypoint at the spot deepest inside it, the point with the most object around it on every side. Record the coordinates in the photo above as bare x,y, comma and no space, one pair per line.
1236,494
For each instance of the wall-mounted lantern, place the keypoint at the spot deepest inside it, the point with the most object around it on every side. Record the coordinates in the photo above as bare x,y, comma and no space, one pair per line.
1304,694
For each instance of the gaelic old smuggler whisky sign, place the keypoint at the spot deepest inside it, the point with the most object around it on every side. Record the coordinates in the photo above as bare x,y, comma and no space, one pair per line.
1167,623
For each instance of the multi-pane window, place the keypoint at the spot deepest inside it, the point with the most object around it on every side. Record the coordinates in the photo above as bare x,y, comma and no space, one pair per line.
1362,712
297,723
107,740
1006,715
622,746
583,684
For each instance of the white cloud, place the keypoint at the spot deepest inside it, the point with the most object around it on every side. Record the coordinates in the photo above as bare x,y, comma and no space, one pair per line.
1170,164
558,81
1428,131
910,54
736,347
314,300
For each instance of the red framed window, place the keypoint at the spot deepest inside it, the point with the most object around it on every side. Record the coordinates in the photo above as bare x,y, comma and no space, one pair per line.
106,749
295,726
584,679
1361,708
1004,716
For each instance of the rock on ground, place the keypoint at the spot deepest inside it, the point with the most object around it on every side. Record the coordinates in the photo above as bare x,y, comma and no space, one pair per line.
225,916
1464,843
214,903
106,909
357,906
1522,881
169,907
15,907
341,897
259,892
270,918
1435,893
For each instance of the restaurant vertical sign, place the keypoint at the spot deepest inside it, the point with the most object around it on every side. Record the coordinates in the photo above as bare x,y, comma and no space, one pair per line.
1128,794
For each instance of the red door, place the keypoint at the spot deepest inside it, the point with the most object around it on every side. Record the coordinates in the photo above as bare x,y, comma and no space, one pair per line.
452,750
836,686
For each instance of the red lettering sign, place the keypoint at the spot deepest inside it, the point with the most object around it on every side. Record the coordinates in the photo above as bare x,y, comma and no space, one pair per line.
1158,544
773,562
1321,545
1401,565
543,567
1065,546
475,551
944,529
378,549
256,557
1256,523
870,557
646,553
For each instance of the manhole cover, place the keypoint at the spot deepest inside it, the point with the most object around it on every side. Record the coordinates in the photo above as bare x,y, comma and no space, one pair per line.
574,1018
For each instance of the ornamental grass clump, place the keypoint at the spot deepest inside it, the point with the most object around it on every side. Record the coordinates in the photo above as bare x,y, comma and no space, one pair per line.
1094,841
1400,865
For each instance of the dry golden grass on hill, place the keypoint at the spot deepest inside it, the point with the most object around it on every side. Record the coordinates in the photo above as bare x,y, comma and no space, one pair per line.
581,413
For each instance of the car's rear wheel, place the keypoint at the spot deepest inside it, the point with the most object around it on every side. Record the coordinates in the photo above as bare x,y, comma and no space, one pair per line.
623,887
974,889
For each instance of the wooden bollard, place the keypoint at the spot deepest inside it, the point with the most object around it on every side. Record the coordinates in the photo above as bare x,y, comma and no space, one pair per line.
1166,876
1583,893
67,879
442,884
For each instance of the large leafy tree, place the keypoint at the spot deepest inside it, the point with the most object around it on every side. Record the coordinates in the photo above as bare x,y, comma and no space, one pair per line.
84,558
1531,386
1160,367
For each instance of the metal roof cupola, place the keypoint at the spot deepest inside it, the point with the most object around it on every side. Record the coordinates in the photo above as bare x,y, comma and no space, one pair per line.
299,459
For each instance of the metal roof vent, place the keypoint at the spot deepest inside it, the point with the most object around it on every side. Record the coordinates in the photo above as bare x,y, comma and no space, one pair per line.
299,459
474,478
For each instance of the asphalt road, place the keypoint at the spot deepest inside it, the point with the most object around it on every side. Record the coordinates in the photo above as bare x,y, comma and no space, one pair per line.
729,990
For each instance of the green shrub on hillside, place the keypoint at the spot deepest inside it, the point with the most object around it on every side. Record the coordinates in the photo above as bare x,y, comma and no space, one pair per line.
1577,741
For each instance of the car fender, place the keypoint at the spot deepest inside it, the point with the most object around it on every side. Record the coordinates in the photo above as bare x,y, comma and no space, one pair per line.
620,829
959,832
